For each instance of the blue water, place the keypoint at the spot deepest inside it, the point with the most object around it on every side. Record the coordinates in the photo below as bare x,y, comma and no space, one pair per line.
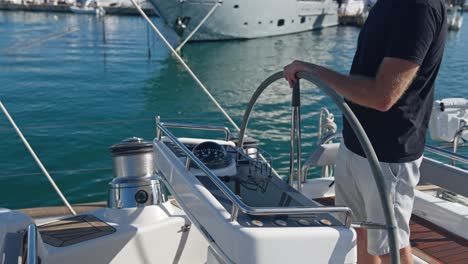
77,84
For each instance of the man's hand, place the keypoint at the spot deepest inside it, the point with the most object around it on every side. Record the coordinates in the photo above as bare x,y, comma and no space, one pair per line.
290,70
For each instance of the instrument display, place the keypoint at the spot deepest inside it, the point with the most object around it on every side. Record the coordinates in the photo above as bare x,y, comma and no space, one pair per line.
212,154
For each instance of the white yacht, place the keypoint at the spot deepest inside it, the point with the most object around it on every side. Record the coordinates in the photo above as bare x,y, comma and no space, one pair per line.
245,19
228,205
454,17
89,8
352,8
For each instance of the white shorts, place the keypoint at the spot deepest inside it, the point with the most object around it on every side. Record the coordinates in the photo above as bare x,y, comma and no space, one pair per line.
355,188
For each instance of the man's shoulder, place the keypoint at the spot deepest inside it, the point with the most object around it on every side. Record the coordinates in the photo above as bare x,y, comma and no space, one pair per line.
434,7
436,4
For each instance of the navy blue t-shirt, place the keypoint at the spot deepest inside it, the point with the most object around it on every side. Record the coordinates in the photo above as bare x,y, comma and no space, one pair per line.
413,30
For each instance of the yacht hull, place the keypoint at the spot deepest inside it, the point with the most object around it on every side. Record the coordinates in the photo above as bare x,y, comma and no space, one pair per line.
246,19
83,10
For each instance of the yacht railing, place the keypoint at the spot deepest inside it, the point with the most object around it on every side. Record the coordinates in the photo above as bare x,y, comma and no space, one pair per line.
201,127
447,154
457,136
453,156
238,204
31,251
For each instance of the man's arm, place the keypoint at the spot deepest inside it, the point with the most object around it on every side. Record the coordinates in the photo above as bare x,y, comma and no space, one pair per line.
392,79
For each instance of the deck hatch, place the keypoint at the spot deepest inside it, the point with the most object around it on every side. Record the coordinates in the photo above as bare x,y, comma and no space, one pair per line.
74,230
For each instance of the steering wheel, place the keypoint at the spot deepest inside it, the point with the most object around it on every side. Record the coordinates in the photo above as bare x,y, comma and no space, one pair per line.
360,134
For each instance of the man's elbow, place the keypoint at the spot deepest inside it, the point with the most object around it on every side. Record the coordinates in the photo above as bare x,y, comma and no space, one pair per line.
383,104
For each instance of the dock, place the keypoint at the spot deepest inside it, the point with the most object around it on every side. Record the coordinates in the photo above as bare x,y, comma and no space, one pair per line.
65,8
352,20
8,6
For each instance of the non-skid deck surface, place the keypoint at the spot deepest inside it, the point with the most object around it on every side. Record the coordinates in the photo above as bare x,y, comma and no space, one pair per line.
441,245
430,242
74,230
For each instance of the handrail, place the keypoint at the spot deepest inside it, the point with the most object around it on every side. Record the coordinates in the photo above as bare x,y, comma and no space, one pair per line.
447,154
442,106
457,136
31,255
239,205
201,127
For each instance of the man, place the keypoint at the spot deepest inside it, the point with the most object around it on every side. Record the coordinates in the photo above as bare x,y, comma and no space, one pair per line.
390,89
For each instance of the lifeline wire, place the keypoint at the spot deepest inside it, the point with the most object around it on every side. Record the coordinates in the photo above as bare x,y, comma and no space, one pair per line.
184,64
37,159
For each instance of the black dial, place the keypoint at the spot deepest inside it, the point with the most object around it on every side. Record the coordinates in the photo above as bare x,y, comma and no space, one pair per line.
213,155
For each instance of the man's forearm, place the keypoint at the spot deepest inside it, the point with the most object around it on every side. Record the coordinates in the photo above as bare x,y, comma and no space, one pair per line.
361,91
380,93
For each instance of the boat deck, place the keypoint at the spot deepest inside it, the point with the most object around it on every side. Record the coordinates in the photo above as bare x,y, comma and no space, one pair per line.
431,243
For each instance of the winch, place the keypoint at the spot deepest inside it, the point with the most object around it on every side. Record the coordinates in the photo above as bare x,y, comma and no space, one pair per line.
135,183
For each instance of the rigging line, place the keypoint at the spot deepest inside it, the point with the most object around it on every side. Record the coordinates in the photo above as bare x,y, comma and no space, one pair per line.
216,5
38,161
189,70
56,172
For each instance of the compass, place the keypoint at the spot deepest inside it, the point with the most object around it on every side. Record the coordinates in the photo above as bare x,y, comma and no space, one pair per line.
212,154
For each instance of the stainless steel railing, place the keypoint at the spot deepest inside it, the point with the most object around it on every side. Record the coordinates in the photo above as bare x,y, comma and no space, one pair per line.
239,205
31,253
447,154
457,136
201,127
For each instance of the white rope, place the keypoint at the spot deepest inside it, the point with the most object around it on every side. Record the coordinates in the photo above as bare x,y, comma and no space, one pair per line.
37,159
199,25
185,65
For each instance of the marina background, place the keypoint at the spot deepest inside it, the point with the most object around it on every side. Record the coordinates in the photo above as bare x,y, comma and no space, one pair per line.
77,84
